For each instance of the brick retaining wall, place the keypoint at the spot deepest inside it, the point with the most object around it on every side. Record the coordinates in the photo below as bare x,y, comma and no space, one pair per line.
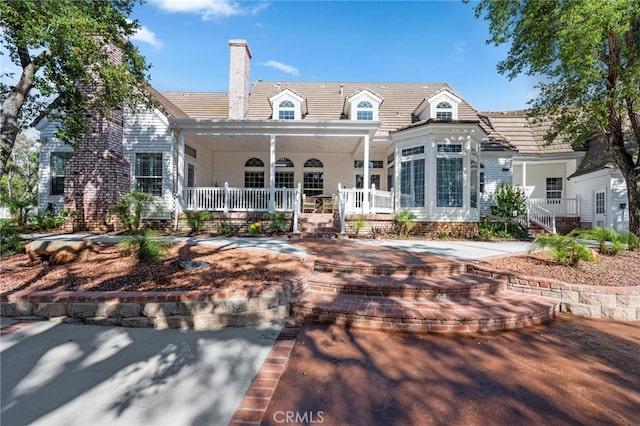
618,303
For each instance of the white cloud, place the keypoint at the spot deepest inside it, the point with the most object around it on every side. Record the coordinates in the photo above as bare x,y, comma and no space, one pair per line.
209,9
145,35
282,67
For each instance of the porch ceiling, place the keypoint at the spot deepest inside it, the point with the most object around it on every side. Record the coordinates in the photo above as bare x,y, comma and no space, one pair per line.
341,136
242,143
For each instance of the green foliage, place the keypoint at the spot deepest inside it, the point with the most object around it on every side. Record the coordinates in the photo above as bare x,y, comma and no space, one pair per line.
255,228
130,209
404,222
10,240
358,224
196,220
18,208
610,242
225,228
46,221
146,246
20,179
565,250
511,203
489,229
60,50
278,222
586,57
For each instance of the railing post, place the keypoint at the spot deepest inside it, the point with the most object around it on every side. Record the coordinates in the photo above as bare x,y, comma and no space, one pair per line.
296,204
372,204
341,208
393,200
226,197
553,222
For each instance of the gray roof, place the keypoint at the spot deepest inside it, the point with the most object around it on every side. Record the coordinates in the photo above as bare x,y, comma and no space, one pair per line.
200,104
598,156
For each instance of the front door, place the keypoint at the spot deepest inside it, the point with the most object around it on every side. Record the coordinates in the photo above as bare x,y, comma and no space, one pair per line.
600,208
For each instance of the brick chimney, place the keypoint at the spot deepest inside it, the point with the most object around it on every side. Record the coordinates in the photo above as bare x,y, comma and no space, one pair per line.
240,57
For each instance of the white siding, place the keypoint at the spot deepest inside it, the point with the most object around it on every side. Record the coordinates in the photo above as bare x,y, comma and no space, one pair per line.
49,145
149,132
607,180
496,171
619,217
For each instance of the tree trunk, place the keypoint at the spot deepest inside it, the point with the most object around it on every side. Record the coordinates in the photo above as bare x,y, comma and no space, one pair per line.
9,127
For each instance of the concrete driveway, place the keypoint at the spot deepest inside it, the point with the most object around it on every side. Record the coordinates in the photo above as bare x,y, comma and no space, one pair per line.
68,374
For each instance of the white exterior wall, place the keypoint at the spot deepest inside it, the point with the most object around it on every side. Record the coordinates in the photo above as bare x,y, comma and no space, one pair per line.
537,175
496,171
49,144
149,132
338,168
610,181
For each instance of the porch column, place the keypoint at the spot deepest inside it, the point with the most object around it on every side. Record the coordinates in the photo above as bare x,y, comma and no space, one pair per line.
524,175
272,173
179,196
365,201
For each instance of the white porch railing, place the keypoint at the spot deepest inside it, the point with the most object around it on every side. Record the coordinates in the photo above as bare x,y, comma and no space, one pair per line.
228,199
379,201
543,212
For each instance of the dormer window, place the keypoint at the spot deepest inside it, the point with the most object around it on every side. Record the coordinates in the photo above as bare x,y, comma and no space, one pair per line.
288,105
364,111
286,111
362,106
444,111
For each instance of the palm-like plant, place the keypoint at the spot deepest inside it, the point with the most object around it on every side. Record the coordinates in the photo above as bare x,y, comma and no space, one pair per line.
565,250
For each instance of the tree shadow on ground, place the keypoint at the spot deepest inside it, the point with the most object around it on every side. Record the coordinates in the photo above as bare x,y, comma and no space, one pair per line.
573,371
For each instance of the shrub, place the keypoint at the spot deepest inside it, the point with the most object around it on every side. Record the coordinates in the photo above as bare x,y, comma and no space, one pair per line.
358,224
278,222
224,228
10,240
129,210
565,250
46,221
511,202
610,242
146,246
404,222
255,228
196,220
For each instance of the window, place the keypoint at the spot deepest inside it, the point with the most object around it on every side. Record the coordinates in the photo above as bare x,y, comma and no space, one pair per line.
554,189
254,162
148,173
412,183
284,179
413,151
190,151
449,177
191,175
284,162
254,177
373,180
357,164
286,110
364,111
444,111
600,202
313,180
58,161
482,182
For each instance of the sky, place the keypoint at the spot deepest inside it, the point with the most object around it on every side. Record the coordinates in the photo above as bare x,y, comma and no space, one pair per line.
186,42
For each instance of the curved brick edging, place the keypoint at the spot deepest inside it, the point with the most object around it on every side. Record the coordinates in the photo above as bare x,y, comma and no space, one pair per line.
200,310
617,303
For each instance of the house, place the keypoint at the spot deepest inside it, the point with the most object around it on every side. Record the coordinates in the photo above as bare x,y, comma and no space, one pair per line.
372,148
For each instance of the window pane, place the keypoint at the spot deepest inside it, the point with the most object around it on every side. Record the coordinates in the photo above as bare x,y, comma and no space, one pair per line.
254,179
412,183
58,161
313,162
284,179
413,151
376,164
600,203
286,114
313,183
449,147
449,182
254,162
148,173
284,162
286,104
364,115
364,104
